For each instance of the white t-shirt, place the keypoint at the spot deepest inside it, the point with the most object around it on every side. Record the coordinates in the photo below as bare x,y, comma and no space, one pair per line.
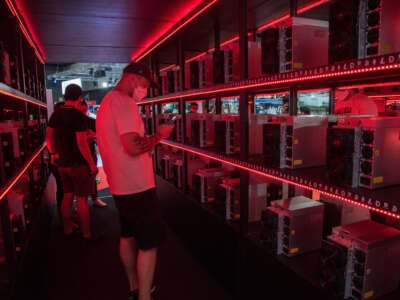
119,114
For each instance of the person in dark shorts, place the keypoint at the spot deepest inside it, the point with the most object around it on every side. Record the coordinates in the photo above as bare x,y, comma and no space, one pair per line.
91,123
54,171
128,164
66,139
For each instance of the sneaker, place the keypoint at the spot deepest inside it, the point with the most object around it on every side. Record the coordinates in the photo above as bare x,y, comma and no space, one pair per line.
99,203
134,295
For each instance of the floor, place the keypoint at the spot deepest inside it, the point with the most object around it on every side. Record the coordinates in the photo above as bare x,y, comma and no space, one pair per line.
75,269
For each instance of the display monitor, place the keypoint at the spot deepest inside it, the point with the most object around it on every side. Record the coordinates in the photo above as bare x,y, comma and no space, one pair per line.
313,102
200,106
272,104
66,83
170,108
230,105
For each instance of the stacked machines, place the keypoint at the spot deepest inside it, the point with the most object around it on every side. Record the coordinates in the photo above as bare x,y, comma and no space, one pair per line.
177,134
256,125
170,81
199,73
148,124
226,62
295,141
205,182
178,172
227,133
293,226
17,144
360,260
295,44
200,129
167,165
364,152
362,28
228,198
16,201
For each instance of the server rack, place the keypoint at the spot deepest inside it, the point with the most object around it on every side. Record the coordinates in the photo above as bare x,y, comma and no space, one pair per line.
360,71
23,168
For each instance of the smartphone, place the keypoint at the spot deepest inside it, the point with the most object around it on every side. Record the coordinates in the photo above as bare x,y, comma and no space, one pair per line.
172,120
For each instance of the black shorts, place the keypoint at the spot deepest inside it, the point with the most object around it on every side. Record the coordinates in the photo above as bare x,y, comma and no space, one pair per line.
140,217
77,180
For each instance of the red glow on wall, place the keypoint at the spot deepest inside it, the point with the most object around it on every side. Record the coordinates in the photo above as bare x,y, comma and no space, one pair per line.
163,34
26,27
243,166
15,179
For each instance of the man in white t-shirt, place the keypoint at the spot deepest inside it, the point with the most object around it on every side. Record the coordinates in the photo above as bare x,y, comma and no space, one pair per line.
127,161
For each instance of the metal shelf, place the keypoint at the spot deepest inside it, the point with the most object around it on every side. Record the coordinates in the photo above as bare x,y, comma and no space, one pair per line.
8,91
382,67
383,201
7,187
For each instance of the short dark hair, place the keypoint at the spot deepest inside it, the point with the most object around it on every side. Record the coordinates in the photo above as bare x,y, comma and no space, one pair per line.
73,92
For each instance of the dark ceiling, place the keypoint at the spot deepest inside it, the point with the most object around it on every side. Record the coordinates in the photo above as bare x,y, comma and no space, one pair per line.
100,30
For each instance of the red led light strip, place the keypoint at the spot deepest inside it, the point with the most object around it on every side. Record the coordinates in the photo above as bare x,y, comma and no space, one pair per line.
260,173
141,56
22,98
273,22
26,32
384,96
304,8
273,82
360,86
311,6
314,90
4,192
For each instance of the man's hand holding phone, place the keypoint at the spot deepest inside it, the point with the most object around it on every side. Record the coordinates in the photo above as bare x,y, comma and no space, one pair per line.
164,130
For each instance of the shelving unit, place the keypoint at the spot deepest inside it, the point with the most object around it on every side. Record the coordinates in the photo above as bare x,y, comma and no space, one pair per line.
242,261
23,119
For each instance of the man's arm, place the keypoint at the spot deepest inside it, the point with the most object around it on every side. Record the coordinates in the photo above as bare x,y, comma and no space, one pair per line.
135,144
83,145
50,140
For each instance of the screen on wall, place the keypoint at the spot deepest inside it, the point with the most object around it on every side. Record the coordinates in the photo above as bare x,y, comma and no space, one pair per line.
65,83
272,104
313,102
230,105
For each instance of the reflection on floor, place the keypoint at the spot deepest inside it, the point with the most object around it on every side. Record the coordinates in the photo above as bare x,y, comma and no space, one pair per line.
75,269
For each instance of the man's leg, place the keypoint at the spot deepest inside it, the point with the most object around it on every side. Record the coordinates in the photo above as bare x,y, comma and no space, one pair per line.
128,254
95,198
83,214
146,265
57,177
66,212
